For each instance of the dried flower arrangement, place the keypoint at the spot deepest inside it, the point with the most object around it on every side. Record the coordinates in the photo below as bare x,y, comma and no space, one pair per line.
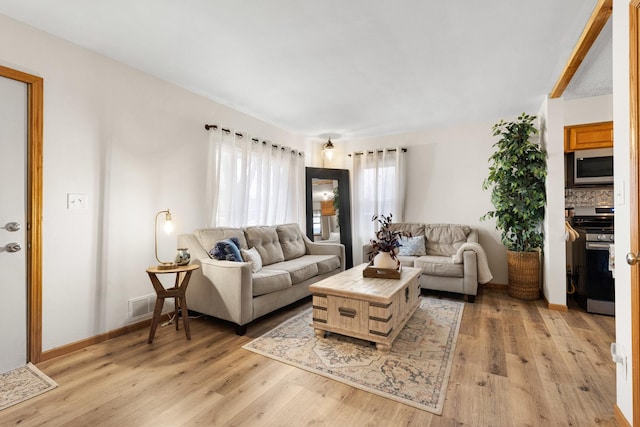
386,240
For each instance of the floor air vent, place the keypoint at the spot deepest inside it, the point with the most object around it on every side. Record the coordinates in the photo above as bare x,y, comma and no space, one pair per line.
142,307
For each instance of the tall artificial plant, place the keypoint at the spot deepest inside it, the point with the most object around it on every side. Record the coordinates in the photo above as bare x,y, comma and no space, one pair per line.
517,174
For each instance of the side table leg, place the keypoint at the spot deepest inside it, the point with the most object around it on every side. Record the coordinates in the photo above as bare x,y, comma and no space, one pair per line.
176,305
157,312
185,316
319,333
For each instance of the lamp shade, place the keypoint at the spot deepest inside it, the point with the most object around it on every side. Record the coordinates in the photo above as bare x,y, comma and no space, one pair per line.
327,150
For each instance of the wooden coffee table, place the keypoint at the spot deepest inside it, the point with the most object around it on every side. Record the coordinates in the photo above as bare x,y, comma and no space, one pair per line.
362,307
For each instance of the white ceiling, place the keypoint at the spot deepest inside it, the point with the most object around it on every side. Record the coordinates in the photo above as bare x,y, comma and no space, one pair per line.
352,68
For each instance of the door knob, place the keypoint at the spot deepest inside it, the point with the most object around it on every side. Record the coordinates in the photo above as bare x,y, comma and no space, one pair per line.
632,259
12,247
12,226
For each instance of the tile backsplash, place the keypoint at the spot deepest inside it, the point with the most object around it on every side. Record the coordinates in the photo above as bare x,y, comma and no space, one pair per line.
579,197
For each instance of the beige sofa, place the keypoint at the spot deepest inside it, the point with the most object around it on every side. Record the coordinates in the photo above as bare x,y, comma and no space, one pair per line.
229,290
433,248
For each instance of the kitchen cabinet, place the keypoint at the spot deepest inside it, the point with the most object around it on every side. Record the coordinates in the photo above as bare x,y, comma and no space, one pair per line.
592,135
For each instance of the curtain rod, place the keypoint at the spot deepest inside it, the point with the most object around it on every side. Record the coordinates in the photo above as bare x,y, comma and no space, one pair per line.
256,140
360,153
227,131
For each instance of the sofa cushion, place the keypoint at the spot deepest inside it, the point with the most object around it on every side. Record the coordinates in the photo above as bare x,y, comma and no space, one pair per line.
209,236
326,263
291,241
414,228
265,240
439,266
226,250
412,246
252,256
266,281
300,269
445,239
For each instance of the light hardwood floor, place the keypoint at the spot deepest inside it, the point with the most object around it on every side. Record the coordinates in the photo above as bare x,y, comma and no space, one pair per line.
516,364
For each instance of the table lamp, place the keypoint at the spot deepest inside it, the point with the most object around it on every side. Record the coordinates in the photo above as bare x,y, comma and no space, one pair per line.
168,228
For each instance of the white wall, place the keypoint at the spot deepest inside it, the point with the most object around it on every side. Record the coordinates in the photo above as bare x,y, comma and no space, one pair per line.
588,110
135,145
621,151
445,170
554,258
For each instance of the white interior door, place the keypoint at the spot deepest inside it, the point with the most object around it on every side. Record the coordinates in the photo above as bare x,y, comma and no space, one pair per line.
13,161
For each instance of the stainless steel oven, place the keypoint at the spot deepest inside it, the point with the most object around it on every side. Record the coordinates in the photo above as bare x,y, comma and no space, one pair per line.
595,282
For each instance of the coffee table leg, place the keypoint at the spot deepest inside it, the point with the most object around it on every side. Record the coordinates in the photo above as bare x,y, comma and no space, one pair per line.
385,348
319,333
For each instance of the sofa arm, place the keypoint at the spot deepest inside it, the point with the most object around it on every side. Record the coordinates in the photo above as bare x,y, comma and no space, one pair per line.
366,248
326,249
223,289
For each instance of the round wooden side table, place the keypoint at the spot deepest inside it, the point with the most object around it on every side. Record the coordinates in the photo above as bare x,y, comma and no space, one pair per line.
177,292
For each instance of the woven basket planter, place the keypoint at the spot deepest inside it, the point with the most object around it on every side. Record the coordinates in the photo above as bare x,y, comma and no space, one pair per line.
524,275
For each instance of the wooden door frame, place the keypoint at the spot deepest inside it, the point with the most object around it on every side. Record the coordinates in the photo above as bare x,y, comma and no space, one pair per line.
634,134
33,245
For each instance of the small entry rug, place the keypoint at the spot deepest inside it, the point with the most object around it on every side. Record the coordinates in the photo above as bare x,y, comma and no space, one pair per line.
415,371
22,384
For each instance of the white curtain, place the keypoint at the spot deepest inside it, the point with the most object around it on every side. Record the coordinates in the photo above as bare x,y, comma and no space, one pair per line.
252,182
379,181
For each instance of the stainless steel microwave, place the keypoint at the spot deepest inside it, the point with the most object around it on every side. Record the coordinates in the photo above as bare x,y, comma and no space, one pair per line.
593,166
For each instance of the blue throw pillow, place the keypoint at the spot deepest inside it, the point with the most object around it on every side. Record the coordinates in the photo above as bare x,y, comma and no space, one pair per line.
227,249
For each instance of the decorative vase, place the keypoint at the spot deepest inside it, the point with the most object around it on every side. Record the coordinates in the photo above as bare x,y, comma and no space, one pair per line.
183,256
384,260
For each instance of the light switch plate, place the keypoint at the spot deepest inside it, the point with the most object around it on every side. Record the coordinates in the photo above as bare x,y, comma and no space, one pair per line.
77,201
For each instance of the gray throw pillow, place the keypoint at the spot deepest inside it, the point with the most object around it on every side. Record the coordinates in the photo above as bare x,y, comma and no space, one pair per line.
412,246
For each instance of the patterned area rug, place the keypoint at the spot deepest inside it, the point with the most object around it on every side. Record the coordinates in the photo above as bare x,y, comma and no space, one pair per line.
415,371
22,384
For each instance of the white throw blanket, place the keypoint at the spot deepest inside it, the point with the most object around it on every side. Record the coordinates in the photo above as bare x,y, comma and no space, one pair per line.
484,274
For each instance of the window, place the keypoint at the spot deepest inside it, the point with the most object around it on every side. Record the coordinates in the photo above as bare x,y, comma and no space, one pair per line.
253,183
378,188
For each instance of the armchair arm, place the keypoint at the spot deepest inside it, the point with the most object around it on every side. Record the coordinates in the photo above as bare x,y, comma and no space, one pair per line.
326,249
470,283
366,248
